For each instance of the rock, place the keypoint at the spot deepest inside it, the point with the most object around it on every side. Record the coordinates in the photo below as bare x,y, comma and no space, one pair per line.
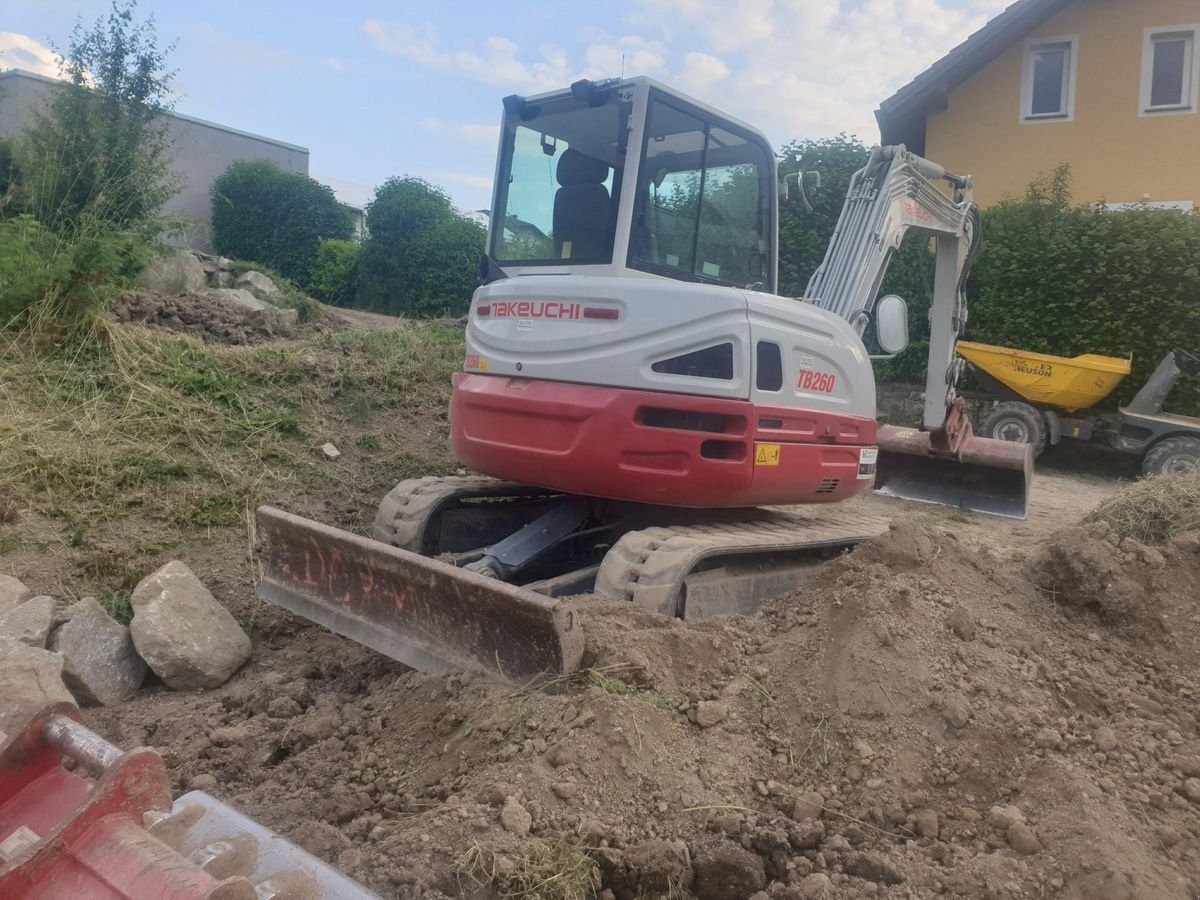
100,664
565,790
816,887
956,711
1167,836
257,282
659,867
241,297
184,635
1004,817
808,806
32,680
807,835
1105,739
862,749
872,867
203,782
710,712
926,823
515,818
229,735
1023,839
962,623
330,451
30,622
12,593
1047,738
180,273
1188,765
1191,789
283,708
725,871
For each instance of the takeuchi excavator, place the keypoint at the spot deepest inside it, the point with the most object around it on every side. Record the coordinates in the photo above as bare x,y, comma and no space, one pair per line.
634,393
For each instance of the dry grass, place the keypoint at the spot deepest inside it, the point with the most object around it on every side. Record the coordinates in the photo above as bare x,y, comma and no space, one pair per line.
1154,510
557,870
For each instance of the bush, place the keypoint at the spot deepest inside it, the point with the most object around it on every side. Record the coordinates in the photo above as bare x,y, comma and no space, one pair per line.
1066,280
334,273
263,213
420,257
9,178
100,158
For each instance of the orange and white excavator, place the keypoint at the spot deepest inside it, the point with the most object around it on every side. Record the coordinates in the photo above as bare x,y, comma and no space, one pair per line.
634,392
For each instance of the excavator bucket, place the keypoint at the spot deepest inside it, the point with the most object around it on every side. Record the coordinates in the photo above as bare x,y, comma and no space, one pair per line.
984,475
421,611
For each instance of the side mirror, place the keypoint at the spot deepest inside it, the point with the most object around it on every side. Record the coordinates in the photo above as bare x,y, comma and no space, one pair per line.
891,324
802,186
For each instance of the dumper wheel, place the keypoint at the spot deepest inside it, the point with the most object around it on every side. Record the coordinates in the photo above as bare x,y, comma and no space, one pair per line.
1173,456
1017,422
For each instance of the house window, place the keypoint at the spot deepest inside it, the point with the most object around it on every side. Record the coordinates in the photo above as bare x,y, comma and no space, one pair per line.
1169,71
1048,83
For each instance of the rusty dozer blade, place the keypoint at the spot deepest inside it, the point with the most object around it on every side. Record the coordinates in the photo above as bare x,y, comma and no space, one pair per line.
421,611
983,475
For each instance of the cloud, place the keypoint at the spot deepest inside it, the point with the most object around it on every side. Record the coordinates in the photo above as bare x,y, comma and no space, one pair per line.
231,46
19,51
470,132
795,68
481,182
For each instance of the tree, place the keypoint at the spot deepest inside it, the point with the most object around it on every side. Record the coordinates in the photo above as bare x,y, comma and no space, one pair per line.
264,214
100,155
420,256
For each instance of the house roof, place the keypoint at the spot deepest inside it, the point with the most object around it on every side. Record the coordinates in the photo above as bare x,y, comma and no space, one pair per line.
902,116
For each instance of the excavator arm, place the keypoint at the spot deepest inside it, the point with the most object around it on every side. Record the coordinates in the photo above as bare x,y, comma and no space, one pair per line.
941,461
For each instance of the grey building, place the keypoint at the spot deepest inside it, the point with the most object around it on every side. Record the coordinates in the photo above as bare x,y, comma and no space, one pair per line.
201,150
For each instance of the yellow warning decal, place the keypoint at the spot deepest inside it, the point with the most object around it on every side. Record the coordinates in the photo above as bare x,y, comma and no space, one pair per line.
766,454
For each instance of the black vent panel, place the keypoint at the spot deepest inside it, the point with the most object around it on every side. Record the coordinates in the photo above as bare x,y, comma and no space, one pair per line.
711,362
828,486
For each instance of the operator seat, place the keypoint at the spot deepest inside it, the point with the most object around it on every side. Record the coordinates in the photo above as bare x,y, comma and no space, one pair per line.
581,208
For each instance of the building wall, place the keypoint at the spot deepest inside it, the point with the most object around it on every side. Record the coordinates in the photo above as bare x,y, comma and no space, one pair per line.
1116,155
201,150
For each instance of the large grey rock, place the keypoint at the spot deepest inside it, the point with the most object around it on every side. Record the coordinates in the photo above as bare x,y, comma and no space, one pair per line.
30,622
31,679
100,664
180,273
257,282
187,637
239,296
12,593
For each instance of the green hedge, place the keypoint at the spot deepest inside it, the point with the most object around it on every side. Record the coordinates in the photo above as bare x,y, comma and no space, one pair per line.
263,213
420,258
334,274
1065,280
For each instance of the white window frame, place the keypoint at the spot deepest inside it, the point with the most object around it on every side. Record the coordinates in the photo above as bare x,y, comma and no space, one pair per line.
1071,43
1191,85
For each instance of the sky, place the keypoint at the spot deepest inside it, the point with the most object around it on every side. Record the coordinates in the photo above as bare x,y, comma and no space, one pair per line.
376,88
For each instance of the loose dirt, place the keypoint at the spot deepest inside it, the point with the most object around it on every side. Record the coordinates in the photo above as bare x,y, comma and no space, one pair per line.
963,707
211,319
923,718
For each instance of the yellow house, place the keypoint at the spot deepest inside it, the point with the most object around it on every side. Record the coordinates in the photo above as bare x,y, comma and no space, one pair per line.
1111,87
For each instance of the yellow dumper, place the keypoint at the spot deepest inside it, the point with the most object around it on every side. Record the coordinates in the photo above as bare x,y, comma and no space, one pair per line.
1041,399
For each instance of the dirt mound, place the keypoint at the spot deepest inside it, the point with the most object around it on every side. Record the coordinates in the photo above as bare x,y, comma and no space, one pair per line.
918,720
212,319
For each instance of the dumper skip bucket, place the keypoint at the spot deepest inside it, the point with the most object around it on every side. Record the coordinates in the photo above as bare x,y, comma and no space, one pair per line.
984,475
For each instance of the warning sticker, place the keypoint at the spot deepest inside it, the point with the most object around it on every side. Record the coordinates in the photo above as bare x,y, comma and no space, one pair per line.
766,454
867,458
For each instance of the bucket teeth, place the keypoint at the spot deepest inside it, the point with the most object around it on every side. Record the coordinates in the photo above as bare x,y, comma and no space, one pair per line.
237,855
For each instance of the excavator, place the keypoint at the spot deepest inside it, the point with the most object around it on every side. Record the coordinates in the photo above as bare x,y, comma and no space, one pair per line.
651,422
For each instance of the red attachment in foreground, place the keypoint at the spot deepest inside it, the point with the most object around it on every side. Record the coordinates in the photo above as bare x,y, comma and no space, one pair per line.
65,836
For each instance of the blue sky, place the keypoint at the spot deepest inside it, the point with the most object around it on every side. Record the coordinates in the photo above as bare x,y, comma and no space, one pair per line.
375,89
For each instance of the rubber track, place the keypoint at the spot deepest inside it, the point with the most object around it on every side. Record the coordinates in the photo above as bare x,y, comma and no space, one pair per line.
407,508
648,567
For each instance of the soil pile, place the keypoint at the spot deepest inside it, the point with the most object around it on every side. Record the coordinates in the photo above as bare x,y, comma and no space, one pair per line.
212,319
920,719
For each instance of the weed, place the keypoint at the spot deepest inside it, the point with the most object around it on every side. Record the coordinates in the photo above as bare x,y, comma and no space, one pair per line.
117,606
368,442
558,870
211,510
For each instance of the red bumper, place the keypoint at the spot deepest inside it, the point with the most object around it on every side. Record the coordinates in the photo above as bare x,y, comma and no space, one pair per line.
648,447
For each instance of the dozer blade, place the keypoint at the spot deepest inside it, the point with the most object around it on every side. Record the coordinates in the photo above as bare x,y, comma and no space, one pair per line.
420,611
986,475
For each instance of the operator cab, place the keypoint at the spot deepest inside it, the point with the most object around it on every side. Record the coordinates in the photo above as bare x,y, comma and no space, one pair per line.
628,177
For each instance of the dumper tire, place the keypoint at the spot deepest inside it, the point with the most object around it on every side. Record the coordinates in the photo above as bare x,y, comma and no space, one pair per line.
1017,422
1172,456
